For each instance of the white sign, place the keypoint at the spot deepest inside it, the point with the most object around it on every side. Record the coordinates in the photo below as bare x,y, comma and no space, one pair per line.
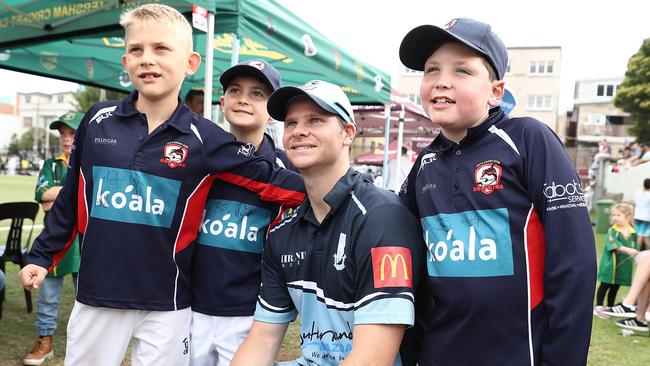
200,18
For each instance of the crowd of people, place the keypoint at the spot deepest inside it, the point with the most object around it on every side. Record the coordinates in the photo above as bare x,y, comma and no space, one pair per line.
199,247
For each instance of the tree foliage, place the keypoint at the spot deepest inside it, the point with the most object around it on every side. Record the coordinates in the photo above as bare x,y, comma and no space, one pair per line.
633,96
88,95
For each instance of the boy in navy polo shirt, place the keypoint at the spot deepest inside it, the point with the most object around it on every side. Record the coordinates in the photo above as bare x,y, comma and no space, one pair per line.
139,175
347,259
226,266
511,255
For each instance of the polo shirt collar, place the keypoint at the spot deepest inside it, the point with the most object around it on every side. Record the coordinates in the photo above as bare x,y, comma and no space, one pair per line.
334,198
267,148
181,119
441,143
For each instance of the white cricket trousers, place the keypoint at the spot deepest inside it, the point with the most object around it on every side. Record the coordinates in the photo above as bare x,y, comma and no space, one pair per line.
215,339
100,336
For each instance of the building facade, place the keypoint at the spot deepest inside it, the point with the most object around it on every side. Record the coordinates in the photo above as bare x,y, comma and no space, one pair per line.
595,118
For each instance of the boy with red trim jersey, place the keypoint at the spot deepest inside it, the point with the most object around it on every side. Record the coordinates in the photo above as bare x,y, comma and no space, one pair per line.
511,255
139,175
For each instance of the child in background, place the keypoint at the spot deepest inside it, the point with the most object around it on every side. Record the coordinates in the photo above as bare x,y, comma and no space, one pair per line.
616,262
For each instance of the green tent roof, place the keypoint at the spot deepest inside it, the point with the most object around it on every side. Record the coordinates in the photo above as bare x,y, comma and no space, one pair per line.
80,41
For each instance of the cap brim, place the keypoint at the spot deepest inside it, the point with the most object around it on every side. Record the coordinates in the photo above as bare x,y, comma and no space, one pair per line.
422,41
278,103
56,124
238,70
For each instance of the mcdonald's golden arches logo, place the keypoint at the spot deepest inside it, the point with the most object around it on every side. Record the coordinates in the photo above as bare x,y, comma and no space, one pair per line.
392,267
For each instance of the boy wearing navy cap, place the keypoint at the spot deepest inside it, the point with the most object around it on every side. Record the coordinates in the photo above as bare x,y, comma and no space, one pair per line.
140,172
347,259
511,257
226,266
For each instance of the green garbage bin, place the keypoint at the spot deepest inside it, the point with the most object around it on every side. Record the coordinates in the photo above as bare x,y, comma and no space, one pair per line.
603,215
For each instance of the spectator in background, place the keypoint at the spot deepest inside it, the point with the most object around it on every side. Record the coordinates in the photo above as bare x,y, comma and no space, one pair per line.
642,215
194,99
396,177
50,182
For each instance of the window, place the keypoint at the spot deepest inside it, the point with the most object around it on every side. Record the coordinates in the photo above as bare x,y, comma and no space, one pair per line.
415,98
28,98
606,90
508,67
596,119
59,98
541,68
539,102
408,71
27,122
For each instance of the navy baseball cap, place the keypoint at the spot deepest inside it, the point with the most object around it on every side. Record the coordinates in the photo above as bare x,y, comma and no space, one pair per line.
422,41
326,95
256,68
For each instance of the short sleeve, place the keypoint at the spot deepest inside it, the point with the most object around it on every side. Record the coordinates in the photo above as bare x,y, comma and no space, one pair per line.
274,304
389,257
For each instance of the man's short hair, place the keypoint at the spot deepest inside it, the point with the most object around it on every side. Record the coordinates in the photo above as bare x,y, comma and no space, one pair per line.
161,14
646,183
192,94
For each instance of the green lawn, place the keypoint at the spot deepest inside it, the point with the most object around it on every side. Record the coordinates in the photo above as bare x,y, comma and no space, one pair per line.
17,332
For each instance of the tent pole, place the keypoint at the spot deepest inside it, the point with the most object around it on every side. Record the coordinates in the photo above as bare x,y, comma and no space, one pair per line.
400,137
234,55
207,81
384,171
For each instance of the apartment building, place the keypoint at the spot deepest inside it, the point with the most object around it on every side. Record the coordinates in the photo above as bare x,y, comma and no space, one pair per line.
594,118
39,109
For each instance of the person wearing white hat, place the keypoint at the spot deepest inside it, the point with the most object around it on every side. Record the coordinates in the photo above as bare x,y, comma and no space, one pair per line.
348,259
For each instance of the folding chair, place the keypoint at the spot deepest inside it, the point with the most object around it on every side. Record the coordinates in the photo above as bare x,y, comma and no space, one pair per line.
14,251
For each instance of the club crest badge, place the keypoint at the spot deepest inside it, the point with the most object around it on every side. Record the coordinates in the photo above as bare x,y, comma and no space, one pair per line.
174,154
487,176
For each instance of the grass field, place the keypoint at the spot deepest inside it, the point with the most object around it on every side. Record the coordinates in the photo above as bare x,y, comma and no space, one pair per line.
17,332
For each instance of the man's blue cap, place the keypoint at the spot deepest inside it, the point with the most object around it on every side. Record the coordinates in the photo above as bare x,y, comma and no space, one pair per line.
422,41
257,68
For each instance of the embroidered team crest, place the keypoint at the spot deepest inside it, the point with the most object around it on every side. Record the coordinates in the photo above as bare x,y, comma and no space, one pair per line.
487,176
246,150
174,154
256,64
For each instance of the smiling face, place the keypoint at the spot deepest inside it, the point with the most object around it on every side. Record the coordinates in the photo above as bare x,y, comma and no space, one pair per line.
620,218
244,104
157,60
66,137
456,90
315,140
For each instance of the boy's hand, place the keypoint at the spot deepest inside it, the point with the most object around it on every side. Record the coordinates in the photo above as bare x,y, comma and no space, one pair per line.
32,276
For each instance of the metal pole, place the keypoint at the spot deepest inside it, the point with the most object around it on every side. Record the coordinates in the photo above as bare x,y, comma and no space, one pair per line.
234,55
207,81
384,171
400,136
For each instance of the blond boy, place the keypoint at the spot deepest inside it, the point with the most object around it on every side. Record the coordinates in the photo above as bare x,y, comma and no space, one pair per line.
139,174
511,255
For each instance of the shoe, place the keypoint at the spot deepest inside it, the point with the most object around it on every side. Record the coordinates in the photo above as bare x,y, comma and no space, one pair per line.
620,311
42,351
598,311
632,324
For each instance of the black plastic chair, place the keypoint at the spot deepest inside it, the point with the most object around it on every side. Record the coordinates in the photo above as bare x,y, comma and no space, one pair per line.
14,251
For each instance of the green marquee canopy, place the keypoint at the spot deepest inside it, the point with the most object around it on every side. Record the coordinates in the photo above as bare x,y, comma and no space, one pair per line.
81,41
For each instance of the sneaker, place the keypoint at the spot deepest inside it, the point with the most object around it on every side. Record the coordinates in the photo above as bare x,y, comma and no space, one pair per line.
42,351
620,311
598,311
632,324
